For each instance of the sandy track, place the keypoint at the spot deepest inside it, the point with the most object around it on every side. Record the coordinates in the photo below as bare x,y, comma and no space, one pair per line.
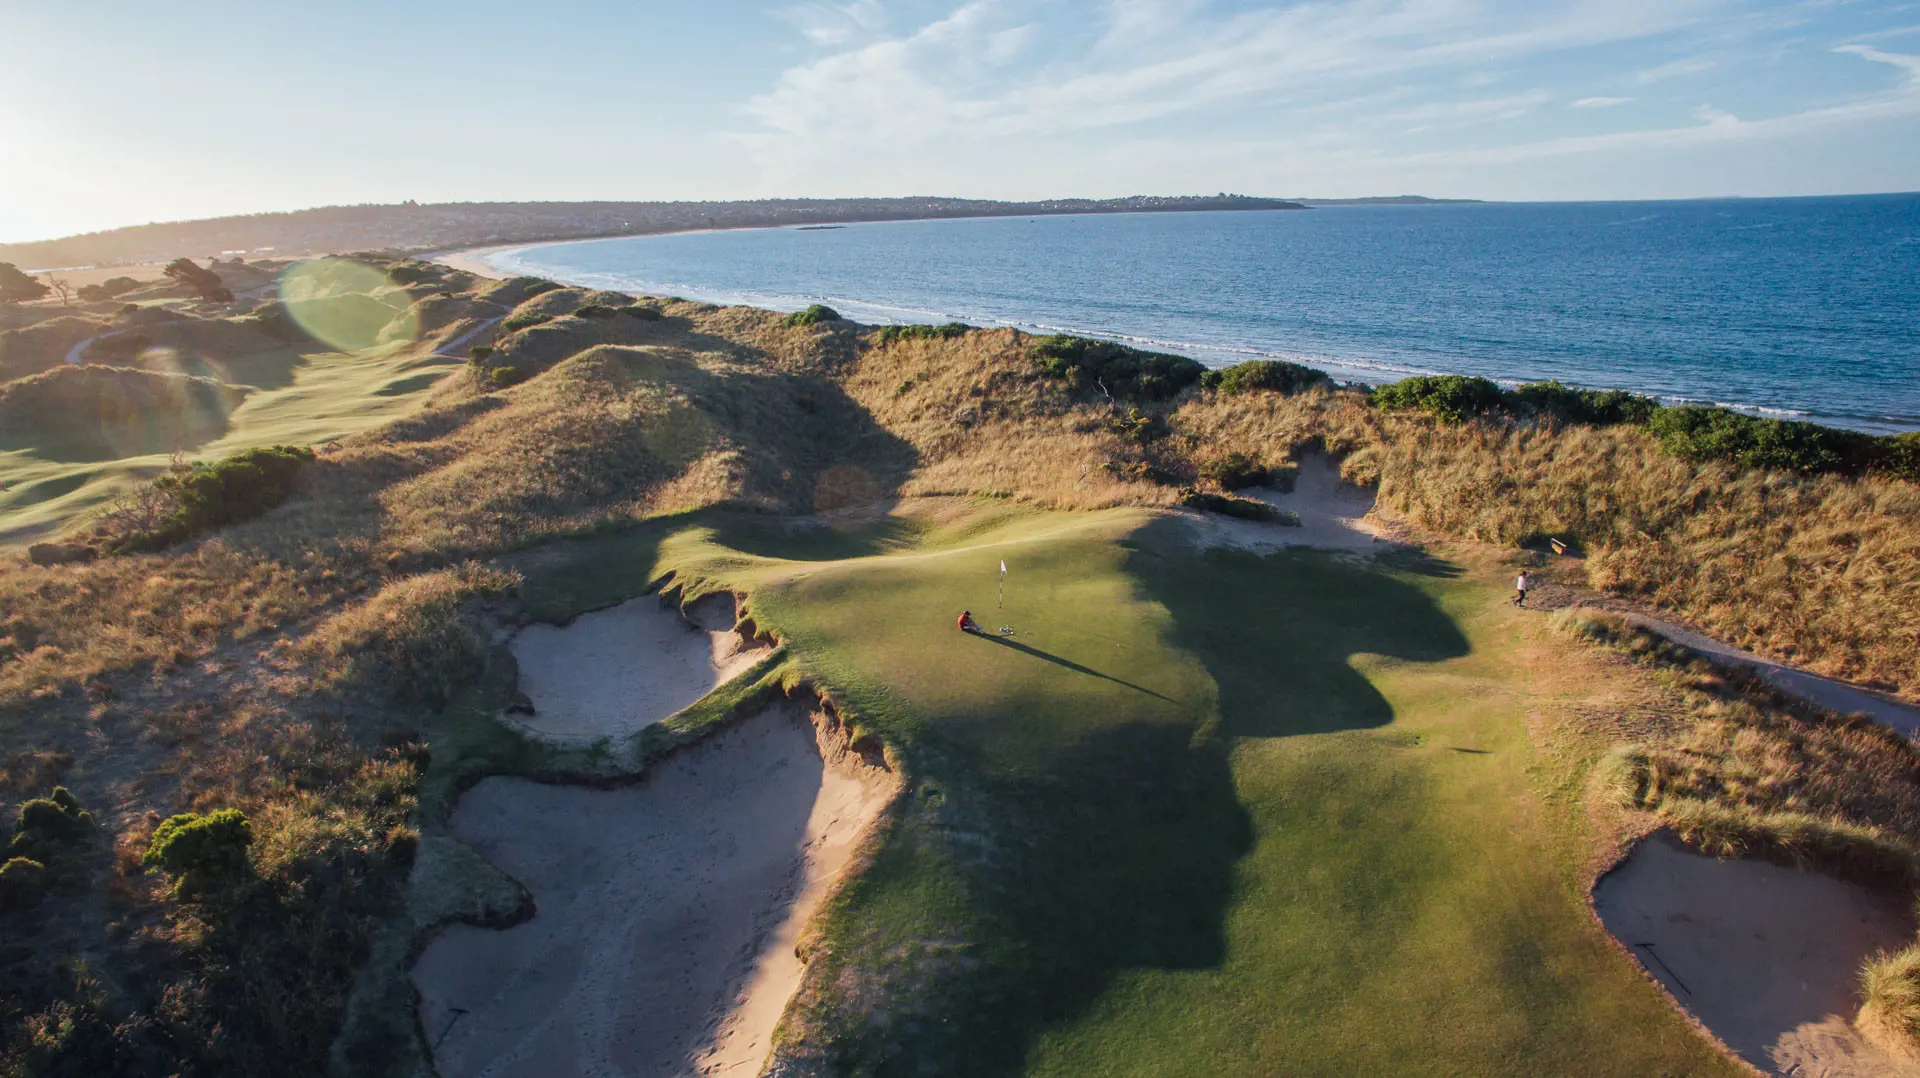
667,912
1331,514
613,672
1766,957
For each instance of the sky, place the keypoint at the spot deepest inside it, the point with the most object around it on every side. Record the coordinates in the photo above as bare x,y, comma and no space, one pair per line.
114,113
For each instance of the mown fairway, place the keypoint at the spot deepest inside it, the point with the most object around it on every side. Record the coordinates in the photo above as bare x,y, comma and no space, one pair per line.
1204,814
299,398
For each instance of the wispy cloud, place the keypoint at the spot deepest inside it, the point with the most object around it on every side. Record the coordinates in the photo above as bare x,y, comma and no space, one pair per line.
1155,58
1675,69
1003,85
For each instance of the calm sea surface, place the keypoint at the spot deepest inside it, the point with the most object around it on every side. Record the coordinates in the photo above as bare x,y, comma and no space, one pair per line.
1806,308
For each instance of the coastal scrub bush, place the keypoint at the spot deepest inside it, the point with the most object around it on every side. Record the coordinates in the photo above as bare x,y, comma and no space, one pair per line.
595,310
1592,407
888,334
1451,398
50,831
236,488
201,850
813,316
406,273
1697,433
22,882
506,376
195,498
1120,371
1235,471
524,320
1275,375
1899,457
479,353
642,312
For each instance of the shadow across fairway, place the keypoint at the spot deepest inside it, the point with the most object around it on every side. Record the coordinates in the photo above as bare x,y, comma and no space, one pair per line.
1278,632
1119,853
1058,661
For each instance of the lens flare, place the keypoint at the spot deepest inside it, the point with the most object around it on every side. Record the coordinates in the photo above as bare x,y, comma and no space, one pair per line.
348,305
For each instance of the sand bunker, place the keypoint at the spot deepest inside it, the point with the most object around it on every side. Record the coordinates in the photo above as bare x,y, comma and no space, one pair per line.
1766,957
667,912
1331,514
613,672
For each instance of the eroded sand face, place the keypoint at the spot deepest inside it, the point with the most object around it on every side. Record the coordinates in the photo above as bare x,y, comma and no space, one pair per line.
613,672
667,912
1766,957
1331,514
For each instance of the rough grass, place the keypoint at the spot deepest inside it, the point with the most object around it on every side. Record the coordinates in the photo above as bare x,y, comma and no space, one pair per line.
1751,771
1890,1013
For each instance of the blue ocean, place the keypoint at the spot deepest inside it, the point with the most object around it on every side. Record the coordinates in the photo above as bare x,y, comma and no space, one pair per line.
1801,308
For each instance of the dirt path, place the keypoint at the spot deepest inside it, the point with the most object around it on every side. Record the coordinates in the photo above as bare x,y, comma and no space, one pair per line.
1825,692
667,912
613,672
1766,957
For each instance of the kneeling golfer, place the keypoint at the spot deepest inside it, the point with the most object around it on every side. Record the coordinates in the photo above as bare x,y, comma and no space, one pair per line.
967,624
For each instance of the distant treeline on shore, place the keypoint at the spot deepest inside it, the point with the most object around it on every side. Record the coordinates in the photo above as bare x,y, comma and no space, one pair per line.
413,226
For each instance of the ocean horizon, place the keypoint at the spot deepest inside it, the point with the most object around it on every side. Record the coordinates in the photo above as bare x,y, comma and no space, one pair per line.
1801,308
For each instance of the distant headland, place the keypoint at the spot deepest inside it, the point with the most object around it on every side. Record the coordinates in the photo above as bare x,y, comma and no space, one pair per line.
412,226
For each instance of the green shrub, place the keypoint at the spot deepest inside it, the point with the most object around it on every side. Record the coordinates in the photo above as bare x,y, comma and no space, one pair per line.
22,882
644,314
479,353
595,310
506,376
1696,432
204,496
49,827
889,334
1591,407
1275,375
524,320
1899,457
407,274
1122,372
1235,471
813,316
1451,398
201,850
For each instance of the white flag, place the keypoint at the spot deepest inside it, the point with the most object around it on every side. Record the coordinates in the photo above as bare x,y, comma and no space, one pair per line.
1003,568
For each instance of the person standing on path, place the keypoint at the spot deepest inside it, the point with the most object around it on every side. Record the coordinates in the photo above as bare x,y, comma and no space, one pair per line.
1520,589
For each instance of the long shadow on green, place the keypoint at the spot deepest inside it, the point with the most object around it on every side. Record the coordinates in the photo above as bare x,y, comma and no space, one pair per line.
1119,851
1058,661
1277,632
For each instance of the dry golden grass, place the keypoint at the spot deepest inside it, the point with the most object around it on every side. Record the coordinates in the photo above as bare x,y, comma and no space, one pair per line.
1818,572
1748,770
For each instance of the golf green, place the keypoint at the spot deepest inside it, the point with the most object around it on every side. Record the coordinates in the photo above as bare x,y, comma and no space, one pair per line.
1197,812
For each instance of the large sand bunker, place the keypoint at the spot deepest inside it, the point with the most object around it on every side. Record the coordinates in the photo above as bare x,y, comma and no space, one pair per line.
614,672
1766,957
1331,514
667,912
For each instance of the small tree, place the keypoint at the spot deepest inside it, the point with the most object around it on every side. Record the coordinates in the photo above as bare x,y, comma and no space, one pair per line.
17,287
204,282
